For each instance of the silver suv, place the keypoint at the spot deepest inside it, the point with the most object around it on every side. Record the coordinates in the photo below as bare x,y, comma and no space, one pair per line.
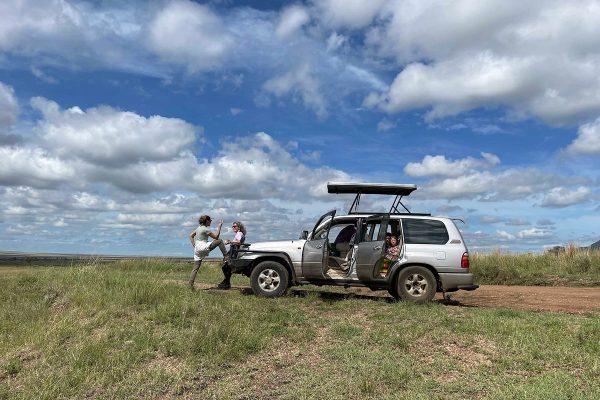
350,250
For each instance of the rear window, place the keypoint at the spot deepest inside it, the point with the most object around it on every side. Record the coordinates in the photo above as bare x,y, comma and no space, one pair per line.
424,231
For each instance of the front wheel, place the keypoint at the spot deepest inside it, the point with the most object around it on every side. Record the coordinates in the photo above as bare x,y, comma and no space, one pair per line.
269,279
416,284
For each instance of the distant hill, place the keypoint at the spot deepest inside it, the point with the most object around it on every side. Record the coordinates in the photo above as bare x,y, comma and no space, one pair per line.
595,246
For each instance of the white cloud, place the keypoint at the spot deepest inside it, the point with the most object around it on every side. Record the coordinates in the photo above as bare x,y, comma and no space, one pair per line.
9,106
75,34
505,235
440,166
587,141
292,18
299,82
385,125
235,111
33,167
348,13
534,233
260,167
110,137
191,34
563,197
535,58
488,186
335,41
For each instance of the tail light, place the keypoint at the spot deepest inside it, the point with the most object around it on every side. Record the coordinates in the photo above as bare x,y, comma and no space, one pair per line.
464,261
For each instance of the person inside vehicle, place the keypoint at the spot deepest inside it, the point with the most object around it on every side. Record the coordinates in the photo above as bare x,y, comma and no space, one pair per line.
392,252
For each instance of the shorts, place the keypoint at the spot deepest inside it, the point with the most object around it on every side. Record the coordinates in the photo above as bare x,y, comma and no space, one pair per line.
201,250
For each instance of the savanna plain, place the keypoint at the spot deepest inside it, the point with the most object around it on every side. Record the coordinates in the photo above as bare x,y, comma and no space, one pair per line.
132,329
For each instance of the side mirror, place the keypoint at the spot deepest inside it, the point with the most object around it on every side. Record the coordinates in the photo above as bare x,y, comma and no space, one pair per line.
304,235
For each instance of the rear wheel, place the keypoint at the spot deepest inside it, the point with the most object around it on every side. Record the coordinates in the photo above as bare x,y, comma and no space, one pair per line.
416,284
269,279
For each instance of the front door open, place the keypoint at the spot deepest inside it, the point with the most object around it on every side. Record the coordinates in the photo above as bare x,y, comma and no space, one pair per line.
314,254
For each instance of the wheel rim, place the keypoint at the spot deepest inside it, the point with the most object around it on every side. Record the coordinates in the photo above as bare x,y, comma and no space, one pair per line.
416,285
269,280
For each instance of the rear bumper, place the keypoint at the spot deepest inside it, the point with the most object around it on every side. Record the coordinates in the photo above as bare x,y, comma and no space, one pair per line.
454,282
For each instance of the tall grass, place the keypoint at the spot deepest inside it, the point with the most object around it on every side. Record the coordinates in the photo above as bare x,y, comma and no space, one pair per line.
572,267
133,330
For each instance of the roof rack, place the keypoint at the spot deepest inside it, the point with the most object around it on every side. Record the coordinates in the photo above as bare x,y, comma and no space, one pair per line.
399,190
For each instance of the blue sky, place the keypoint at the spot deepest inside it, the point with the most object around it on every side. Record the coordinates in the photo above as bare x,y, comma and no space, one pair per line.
122,122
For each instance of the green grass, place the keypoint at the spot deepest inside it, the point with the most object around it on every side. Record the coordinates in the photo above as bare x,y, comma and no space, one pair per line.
570,268
133,330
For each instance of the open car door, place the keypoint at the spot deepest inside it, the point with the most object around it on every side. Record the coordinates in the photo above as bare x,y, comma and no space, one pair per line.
314,254
371,249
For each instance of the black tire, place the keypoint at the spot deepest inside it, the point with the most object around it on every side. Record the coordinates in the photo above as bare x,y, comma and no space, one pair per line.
269,279
416,284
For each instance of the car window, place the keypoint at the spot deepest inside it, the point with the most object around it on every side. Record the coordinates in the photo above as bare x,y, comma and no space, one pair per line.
372,231
342,232
322,231
424,231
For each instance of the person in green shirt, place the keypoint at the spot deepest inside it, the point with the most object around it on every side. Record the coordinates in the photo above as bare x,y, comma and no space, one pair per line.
202,245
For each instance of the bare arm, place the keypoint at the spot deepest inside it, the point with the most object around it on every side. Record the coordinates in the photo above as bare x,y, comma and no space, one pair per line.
216,235
192,236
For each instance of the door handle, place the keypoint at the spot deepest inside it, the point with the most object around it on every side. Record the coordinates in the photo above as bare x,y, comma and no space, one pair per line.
377,248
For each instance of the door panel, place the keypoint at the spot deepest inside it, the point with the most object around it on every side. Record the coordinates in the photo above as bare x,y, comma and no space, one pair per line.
314,254
372,248
368,255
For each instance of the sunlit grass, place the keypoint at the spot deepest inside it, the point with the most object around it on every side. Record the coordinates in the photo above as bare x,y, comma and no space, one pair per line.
134,330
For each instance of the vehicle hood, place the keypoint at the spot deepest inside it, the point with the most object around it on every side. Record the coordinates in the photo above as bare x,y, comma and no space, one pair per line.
278,245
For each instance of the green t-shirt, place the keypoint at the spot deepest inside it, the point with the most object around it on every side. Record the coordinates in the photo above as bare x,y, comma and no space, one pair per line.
202,233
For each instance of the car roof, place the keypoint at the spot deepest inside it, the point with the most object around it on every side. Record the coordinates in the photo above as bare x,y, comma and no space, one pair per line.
395,189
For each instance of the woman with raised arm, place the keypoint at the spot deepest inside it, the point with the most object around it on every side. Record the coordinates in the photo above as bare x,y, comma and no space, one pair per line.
202,246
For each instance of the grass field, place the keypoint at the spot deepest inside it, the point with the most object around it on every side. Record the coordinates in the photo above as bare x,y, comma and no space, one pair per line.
132,330
572,267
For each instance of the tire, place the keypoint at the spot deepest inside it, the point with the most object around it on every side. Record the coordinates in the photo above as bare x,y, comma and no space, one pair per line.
269,279
416,284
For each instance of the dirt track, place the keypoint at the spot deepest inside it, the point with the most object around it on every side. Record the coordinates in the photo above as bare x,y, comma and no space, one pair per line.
532,298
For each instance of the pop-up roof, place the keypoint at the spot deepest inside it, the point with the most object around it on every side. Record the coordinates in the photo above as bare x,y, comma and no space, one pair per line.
394,189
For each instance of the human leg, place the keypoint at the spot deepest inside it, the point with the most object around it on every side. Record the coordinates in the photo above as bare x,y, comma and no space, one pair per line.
226,283
197,264
218,243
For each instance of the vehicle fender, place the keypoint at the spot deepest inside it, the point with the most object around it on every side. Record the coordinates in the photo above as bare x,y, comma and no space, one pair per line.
257,257
396,268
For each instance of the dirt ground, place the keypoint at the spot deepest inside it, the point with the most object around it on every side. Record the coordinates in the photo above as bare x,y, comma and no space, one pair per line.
532,298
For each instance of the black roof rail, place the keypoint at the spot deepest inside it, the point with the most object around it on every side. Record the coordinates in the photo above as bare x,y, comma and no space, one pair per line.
359,188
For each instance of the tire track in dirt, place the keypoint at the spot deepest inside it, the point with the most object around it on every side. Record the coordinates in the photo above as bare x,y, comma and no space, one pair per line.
530,298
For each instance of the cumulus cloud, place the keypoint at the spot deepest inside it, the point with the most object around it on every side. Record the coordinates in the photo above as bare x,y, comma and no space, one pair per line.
191,34
299,82
587,141
562,197
440,166
109,137
9,106
535,58
534,233
505,235
489,186
33,167
292,18
260,167
75,34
